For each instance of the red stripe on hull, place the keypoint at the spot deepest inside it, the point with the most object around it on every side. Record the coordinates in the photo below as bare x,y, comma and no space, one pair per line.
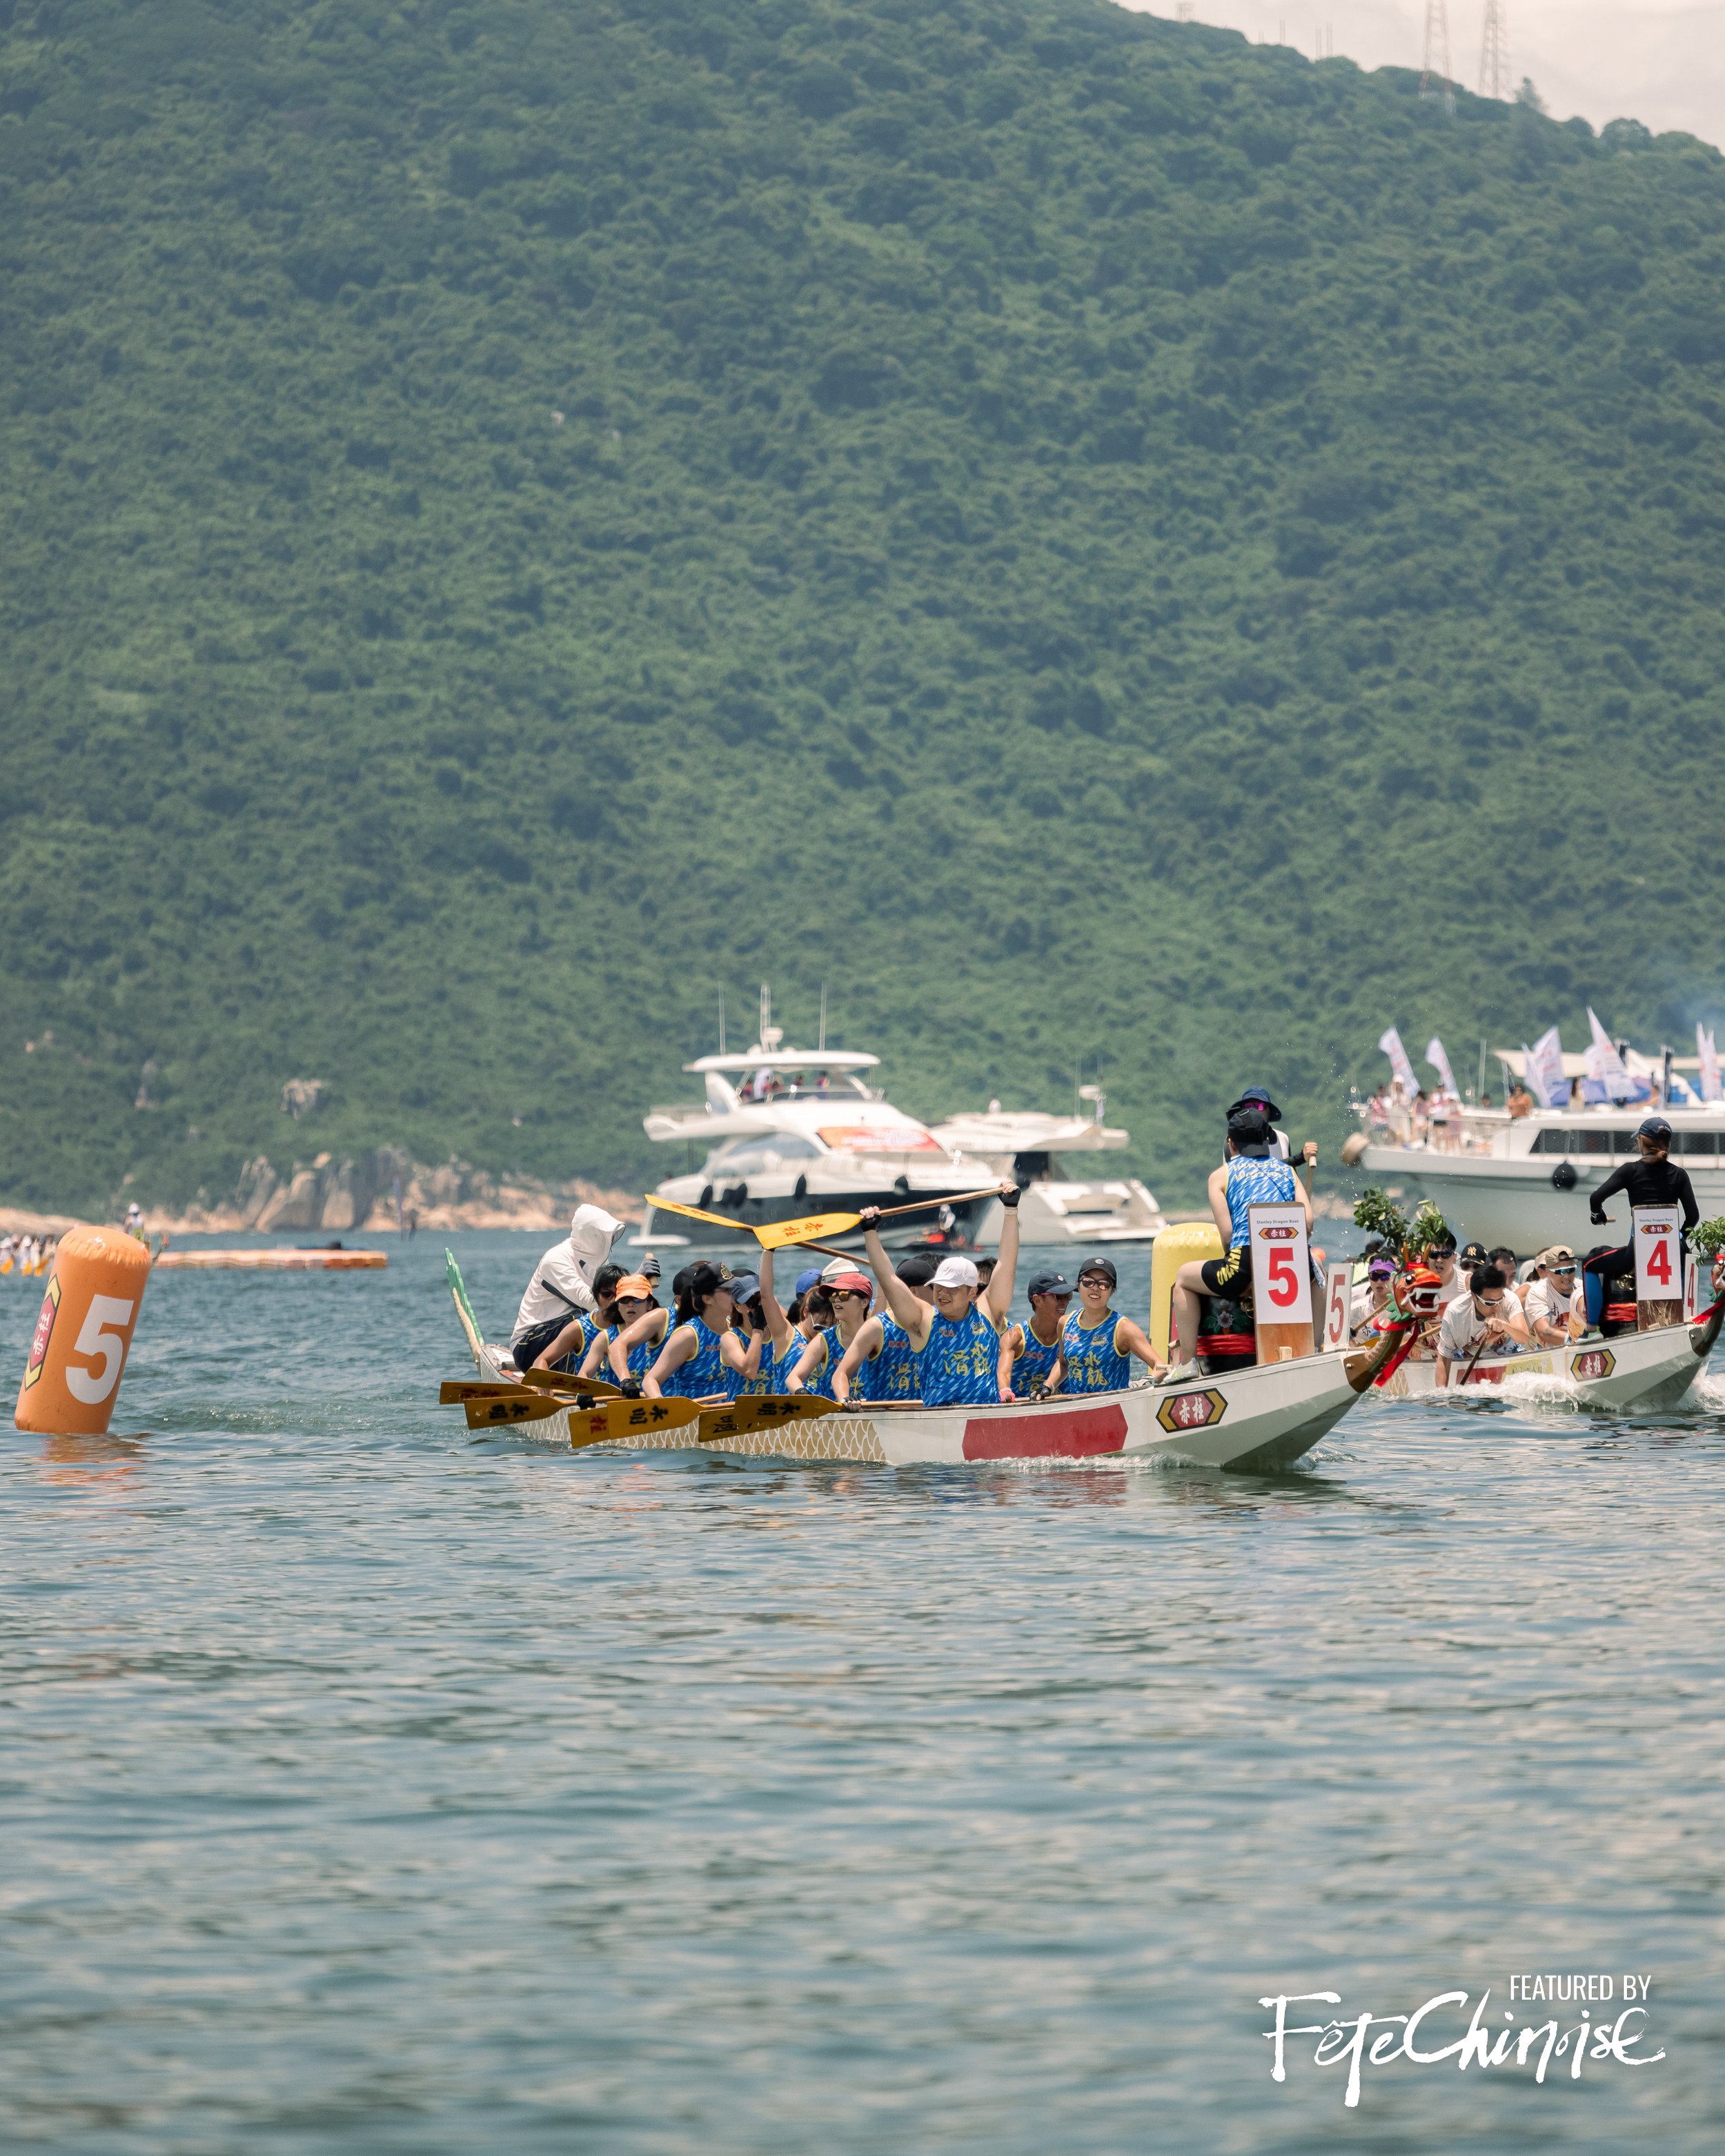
1076,1434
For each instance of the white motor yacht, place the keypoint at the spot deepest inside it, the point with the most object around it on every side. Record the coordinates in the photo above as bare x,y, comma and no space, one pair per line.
784,1132
1031,1147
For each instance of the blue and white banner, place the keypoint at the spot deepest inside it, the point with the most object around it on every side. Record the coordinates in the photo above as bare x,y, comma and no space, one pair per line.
1709,1055
1544,1066
1439,1062
1391,1044
1606,1070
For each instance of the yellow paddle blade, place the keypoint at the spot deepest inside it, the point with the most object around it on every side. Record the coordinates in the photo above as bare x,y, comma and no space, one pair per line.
453,1391
779,1233
695,1212
762,1410
615,1422
560,1381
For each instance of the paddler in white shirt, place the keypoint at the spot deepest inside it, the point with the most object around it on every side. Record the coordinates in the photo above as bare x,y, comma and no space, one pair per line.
1553,1305
1483,1317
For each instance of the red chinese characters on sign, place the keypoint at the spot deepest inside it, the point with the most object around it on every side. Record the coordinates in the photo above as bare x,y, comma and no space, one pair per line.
44,1332
1191,1410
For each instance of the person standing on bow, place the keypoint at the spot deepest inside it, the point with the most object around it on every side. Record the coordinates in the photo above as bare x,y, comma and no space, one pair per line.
958,1340
1249,1176
1097,1345
703,1357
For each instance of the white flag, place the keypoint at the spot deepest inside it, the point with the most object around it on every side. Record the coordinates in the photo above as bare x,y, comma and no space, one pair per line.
1709,1055
1607,1066
1543,1063
1391,1044
1439,1062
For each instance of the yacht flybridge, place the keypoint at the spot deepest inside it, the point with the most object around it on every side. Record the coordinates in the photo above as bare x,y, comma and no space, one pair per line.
786,1131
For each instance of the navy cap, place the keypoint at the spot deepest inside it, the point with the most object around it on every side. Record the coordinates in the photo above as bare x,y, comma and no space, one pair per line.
744,1285
1050,1284
807,1280
1257,1097
1655,1127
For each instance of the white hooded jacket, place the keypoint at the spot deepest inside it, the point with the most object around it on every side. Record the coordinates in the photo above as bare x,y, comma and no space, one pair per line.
562,1279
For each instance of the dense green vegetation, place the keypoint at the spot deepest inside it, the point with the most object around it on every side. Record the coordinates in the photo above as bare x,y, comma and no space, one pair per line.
1095,540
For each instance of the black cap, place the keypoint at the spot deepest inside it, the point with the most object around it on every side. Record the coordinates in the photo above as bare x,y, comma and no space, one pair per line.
1473,1253
1050,1284
1255,1097
917,1270
1250,1130
1655,1127
1104,1265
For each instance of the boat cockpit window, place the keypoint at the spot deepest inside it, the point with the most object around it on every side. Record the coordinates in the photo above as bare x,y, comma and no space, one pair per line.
801,1085
758,1156
1594,1141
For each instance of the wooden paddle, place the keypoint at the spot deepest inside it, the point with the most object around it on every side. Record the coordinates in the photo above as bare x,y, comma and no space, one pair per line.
755,1409
563,1381
605,1422
453,1391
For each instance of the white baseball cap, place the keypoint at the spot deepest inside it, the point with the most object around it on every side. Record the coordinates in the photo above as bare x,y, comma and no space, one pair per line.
839,1266
954,1272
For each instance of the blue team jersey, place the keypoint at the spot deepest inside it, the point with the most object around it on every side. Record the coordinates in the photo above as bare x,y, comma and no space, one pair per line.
961,1362
705,1371
1254,1183
822,1385
770,1376
894,1372
643,1354
590,1330
1032,1362
1094,1363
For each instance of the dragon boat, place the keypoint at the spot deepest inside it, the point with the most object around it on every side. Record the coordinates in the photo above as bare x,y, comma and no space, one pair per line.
1650,1369
1249,1420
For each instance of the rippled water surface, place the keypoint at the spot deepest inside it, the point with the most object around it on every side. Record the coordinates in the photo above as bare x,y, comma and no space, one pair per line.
370,1786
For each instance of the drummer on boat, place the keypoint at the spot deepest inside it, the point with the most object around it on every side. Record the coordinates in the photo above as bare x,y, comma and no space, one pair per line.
958,1339
1249,1175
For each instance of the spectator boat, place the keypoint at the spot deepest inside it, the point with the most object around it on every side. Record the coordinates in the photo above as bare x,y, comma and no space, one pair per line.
785,1131
1252,1420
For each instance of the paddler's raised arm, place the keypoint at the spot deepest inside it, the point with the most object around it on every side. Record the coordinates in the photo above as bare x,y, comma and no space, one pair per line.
914,1314
998,1299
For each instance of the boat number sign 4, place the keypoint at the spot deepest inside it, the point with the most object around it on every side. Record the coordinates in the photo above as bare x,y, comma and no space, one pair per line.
1659,1262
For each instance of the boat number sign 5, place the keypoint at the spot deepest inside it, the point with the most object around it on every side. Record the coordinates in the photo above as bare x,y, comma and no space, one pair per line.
1339,1301
1281,1281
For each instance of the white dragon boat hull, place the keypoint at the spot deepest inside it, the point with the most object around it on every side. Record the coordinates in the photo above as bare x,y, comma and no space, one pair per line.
1252,1420
1633,1369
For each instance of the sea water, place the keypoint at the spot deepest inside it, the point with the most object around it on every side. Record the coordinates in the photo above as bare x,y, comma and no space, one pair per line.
370,1785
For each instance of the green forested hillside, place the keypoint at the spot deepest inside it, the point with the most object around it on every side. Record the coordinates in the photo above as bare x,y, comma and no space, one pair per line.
1096,540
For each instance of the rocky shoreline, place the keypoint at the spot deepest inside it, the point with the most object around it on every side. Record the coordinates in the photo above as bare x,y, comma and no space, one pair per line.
376,1192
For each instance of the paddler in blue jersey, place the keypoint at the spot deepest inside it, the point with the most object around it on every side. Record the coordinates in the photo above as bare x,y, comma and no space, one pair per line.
850,1292
703,1358
1251,1174
880,1363
1030,1354
958,1340
1096,1344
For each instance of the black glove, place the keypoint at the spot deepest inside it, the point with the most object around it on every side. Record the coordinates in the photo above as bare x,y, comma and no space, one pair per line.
1599,1219
870,1217
630,1388
1009,1198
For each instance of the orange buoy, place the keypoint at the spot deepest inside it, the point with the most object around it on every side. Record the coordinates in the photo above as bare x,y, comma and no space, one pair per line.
95,1294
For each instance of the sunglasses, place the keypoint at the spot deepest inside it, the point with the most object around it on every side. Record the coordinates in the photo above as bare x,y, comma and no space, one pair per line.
851,1295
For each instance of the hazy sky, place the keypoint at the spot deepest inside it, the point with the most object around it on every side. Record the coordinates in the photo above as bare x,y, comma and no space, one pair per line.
1661,62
